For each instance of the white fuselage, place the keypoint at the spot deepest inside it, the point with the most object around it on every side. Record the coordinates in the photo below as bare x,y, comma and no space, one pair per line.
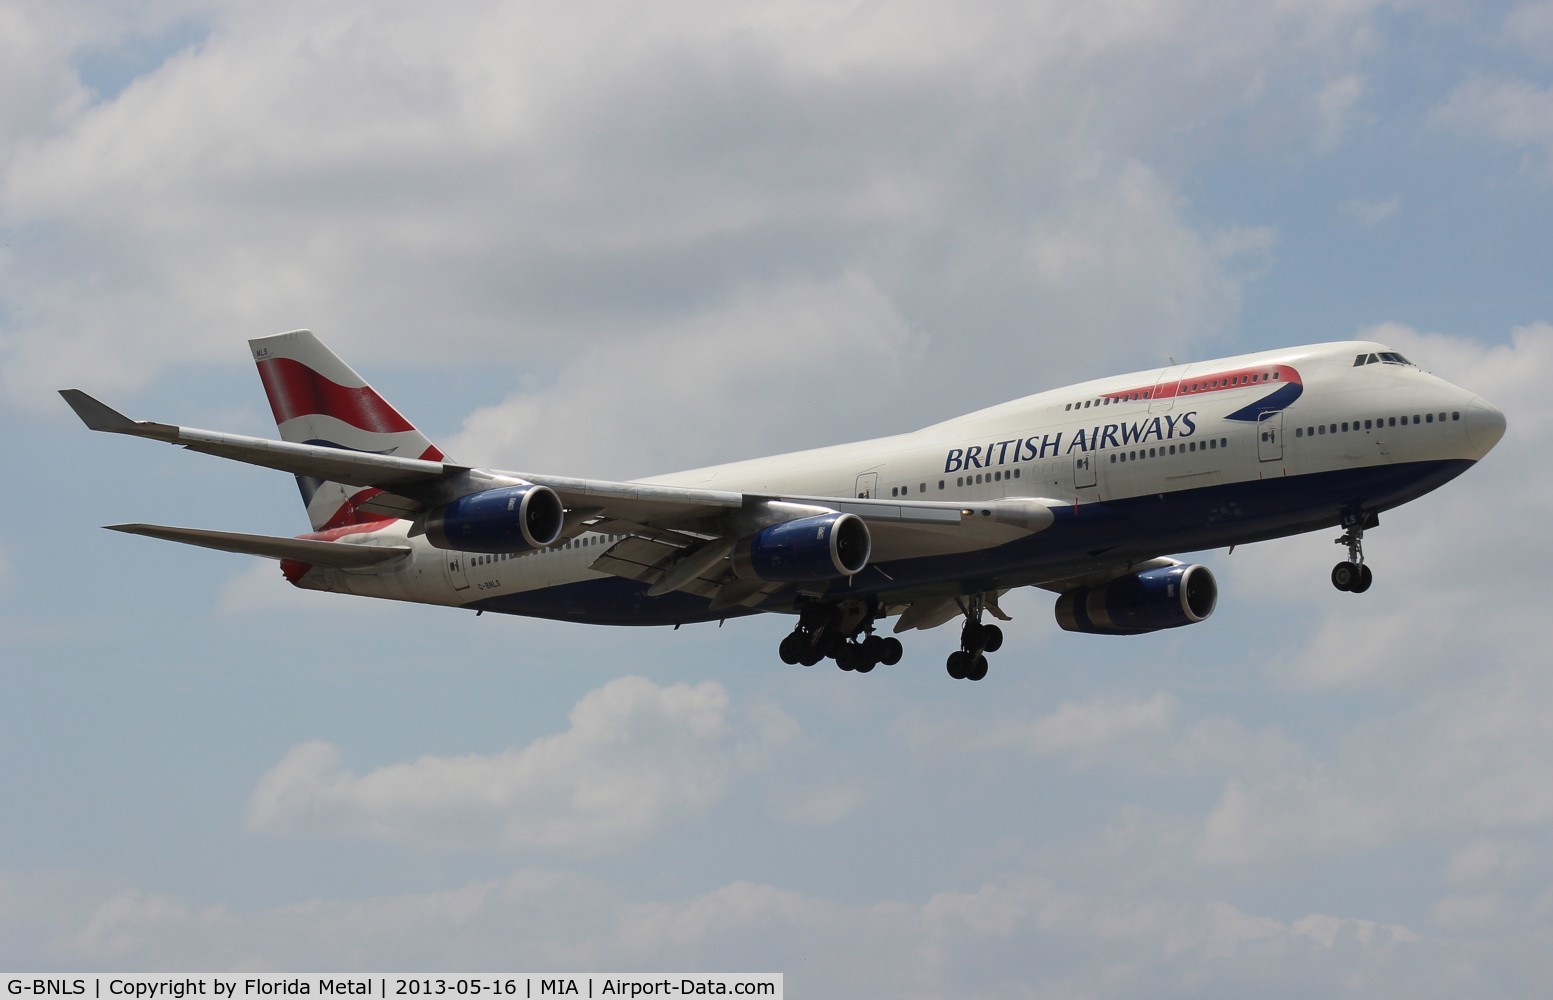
1202,441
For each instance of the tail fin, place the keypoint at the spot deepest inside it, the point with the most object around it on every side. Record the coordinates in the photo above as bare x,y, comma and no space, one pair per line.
319,399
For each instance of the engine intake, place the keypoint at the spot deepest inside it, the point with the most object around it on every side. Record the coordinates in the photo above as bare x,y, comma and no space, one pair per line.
822,547
509,519
1142,602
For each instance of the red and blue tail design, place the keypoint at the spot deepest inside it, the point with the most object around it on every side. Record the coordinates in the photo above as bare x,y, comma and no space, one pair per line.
318,399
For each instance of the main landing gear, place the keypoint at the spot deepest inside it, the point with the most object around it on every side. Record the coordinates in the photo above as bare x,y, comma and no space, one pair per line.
842,632
969,662
1354,576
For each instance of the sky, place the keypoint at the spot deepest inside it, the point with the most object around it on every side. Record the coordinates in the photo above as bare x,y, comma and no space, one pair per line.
621,239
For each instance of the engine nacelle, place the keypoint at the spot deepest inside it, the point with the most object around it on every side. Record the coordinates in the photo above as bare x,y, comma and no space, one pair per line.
822,547
1168,597
509,519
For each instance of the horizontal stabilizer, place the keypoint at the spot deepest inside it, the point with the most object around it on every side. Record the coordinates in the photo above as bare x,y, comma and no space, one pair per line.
338,554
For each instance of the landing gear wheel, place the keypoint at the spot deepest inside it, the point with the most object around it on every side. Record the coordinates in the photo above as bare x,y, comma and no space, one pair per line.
991,638
811,656
977,669
1354,576
791,649
890,651
864,665
959,664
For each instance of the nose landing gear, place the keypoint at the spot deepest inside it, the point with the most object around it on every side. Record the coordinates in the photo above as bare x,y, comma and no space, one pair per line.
1354,576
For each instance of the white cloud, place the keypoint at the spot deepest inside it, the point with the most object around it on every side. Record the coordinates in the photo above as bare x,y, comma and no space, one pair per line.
1472,913
1086,729
534,186
1370,213
635,757
1458,761
1530,27
1485,858
1514,112
618,405
1337,105
122,927
1016,936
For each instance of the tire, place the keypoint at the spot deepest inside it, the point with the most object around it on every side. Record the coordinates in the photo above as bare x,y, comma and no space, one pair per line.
791,649
891,651
958,663
1343,576
977,670
1362,583
991,638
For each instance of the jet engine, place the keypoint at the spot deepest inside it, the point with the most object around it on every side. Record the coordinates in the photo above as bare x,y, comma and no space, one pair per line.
821,547
1155,599
509,519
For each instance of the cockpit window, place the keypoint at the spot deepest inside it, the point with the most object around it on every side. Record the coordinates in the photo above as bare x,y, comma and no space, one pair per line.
1384,357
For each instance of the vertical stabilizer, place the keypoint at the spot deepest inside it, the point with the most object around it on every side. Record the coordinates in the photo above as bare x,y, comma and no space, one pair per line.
319,399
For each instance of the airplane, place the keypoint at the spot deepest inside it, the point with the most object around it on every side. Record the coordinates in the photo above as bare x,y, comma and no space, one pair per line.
1085,491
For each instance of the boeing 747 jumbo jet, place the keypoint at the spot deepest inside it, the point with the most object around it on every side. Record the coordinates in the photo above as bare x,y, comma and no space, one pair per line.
1084,490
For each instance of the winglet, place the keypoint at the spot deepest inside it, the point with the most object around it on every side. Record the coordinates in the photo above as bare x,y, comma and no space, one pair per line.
99,416
96,414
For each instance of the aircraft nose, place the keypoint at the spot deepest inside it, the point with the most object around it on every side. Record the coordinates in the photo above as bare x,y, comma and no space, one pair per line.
1485,425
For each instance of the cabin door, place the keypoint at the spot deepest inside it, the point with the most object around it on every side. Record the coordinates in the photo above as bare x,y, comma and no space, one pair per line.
458,568
1269,436
1083,470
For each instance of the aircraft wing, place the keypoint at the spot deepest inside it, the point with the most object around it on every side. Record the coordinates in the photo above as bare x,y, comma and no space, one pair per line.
413,484
673,529
314,552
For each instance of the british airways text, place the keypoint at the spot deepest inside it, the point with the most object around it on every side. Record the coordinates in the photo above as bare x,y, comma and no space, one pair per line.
1168,427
